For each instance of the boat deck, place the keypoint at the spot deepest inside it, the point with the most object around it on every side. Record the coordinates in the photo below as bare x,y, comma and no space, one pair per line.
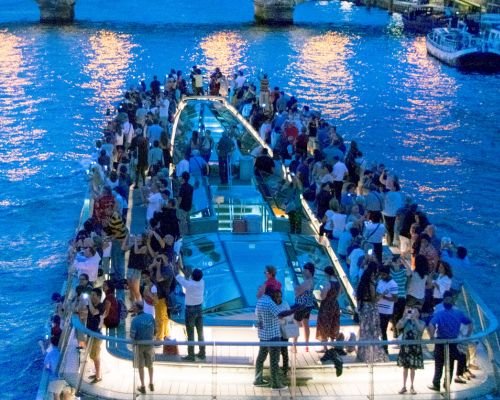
228,373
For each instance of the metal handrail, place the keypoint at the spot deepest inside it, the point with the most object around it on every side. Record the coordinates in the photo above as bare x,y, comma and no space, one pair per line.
493,326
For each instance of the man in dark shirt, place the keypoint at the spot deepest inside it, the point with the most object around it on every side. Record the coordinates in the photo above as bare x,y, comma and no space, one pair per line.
155,86
224,150
169,223
264,163
94,323
142,158
185,201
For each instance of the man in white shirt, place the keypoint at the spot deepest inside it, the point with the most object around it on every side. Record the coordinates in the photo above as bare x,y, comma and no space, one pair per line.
387,295
88,262
127,133
339,172
155,201
194,288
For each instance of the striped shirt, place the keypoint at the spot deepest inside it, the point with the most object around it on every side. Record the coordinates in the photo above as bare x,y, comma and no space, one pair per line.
116,227
388,288
400,278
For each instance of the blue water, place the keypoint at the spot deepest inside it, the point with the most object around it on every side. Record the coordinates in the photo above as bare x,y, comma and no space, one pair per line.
436,126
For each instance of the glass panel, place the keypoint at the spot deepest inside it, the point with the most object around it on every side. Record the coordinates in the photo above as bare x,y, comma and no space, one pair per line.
250,259
200,115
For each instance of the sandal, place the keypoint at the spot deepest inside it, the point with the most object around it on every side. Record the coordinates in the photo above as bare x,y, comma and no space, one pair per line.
413,391
95,380
403,391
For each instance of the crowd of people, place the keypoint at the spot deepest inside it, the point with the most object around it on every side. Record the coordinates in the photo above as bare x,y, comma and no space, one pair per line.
359,206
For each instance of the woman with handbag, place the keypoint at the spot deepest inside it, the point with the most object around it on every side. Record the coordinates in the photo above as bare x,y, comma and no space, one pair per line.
328,323
374,232
305,300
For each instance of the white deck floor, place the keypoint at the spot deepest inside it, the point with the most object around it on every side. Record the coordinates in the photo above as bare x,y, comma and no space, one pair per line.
230,375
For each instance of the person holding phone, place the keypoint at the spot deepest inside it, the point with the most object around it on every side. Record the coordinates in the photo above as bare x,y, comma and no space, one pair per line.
410,355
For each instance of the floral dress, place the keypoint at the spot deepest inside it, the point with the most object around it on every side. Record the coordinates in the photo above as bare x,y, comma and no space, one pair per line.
410,355
328,325
369,329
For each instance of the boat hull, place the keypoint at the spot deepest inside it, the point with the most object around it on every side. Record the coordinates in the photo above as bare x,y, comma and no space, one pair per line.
467,59
423,25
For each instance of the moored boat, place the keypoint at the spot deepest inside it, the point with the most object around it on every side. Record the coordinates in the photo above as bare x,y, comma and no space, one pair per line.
422,18
459,48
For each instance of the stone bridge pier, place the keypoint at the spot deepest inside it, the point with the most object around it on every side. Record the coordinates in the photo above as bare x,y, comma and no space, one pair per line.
271,12
56,11
274,12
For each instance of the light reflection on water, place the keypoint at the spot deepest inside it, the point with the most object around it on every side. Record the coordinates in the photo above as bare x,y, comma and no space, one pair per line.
226,50
110,57
321,71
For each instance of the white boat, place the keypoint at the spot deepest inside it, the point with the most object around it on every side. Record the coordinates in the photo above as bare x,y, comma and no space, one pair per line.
232,261
459,48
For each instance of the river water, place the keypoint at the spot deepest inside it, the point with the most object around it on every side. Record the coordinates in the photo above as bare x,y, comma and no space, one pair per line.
437,127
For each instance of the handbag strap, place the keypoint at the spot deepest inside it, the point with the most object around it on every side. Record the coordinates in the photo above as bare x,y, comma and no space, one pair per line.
371,234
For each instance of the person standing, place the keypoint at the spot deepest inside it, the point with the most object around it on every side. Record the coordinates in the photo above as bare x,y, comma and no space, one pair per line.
224,149
305,299
185,202
369,318
399,275
271,281
445,324
410,355
143,328
194,288
339,172
328,324
207,145
142,159
387,295
267,313
94,323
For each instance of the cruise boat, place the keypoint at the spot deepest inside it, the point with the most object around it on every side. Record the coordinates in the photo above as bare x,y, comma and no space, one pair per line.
459,48
233,260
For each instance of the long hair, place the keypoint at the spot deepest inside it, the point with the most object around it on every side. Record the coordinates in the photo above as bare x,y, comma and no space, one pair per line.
364,281
447,269
421,265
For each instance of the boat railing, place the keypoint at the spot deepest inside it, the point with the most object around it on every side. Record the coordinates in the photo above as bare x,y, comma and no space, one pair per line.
67,292
220,368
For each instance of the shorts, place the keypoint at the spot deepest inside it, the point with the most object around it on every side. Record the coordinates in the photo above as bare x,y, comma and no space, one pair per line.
133,273
56,386
145,356
303,313
95,349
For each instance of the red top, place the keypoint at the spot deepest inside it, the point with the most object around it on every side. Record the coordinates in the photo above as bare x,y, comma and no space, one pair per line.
274,284
113,318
